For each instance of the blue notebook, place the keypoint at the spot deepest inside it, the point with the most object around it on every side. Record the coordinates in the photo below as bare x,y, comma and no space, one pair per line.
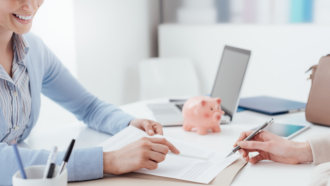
271,105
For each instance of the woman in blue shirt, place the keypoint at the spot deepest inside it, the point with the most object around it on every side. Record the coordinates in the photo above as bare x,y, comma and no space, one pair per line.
28,68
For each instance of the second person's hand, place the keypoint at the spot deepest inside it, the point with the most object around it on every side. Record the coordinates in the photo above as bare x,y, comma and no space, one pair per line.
275,148
144,153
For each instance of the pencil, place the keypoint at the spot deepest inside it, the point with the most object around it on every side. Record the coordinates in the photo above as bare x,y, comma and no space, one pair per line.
18,158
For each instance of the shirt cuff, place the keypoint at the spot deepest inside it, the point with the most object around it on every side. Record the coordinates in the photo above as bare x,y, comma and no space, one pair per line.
84,164
124,122
320,145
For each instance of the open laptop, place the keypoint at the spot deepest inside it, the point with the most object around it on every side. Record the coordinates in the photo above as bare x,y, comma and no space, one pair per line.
227,86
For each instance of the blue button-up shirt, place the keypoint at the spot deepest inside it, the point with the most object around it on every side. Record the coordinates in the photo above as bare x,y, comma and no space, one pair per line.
15,97
47,75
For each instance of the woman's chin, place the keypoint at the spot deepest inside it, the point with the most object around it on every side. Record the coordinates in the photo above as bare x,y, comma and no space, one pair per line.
23,29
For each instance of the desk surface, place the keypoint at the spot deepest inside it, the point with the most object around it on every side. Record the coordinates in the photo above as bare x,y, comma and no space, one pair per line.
262,173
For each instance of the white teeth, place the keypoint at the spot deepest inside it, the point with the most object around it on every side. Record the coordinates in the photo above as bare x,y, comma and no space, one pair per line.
24,17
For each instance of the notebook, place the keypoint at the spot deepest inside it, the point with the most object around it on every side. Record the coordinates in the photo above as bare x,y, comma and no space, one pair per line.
270,105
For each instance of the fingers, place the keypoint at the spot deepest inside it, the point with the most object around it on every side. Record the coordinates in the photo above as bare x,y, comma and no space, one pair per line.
151,165
152,127
264,146
242,136
245,154
158,128
256,159
148,127
163,149
156,157
163,141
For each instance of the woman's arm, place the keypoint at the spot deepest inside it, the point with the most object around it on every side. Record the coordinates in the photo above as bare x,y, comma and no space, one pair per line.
60,86
275,148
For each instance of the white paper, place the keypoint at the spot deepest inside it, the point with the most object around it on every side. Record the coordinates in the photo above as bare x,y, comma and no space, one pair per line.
176,166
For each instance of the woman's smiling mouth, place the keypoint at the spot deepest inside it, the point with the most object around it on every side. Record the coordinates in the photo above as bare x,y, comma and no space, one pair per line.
23,19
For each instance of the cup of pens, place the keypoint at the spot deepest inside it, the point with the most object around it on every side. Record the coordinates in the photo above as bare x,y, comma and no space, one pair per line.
35,175
42,175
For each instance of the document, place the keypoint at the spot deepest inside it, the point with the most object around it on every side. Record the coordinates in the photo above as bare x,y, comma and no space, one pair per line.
176,166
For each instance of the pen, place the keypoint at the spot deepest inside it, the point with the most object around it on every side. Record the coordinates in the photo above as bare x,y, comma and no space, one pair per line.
18,158
51,170
51,159
190,156
66,157
271,121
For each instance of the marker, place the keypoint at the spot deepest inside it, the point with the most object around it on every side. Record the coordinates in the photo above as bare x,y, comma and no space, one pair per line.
51,170
51,159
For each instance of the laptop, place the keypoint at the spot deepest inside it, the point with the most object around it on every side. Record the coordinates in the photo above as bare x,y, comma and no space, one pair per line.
227,86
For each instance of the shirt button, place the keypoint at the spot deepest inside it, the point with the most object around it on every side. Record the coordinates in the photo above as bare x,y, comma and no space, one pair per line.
15,94
17,127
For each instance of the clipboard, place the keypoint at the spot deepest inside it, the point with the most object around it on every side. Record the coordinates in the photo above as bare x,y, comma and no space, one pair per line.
225,178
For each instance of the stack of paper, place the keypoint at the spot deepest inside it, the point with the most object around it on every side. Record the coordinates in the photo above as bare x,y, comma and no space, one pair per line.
176,166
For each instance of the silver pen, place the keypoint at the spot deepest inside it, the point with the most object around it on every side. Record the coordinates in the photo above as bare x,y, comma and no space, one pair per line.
271,121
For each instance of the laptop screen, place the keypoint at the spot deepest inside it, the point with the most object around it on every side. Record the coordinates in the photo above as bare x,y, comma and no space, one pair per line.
229,79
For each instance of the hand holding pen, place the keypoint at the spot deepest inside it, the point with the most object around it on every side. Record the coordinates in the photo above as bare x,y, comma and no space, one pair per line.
274,148
251,136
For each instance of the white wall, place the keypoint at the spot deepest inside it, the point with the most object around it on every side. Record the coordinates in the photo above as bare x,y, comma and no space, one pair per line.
280,54
54,23
113,36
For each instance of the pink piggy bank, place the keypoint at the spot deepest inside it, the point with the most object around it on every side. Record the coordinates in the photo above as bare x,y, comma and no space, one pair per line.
202,113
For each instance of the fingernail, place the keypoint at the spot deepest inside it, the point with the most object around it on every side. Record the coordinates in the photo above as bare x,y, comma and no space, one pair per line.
151,131
241,152
241,144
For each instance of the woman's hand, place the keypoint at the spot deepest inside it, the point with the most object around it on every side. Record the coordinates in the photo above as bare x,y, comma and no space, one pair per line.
151,127
144,153
275,148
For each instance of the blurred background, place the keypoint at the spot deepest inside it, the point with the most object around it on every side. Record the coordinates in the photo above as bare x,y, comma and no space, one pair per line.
107,45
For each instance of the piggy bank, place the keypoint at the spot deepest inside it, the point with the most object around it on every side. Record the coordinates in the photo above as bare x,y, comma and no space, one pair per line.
202,113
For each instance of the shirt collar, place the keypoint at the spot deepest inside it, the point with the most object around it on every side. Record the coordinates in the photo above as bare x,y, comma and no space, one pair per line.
21,48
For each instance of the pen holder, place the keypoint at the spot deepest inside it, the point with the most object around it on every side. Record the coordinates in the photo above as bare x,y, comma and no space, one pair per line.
35,175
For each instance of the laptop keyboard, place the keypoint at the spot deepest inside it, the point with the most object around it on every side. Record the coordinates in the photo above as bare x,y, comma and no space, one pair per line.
180,106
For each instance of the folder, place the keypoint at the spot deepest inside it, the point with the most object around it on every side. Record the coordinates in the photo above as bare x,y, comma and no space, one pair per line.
271,105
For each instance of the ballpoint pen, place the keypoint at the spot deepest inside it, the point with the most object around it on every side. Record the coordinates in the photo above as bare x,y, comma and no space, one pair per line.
256,132
66,157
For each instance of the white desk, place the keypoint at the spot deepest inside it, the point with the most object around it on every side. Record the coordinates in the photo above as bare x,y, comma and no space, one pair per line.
263,173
